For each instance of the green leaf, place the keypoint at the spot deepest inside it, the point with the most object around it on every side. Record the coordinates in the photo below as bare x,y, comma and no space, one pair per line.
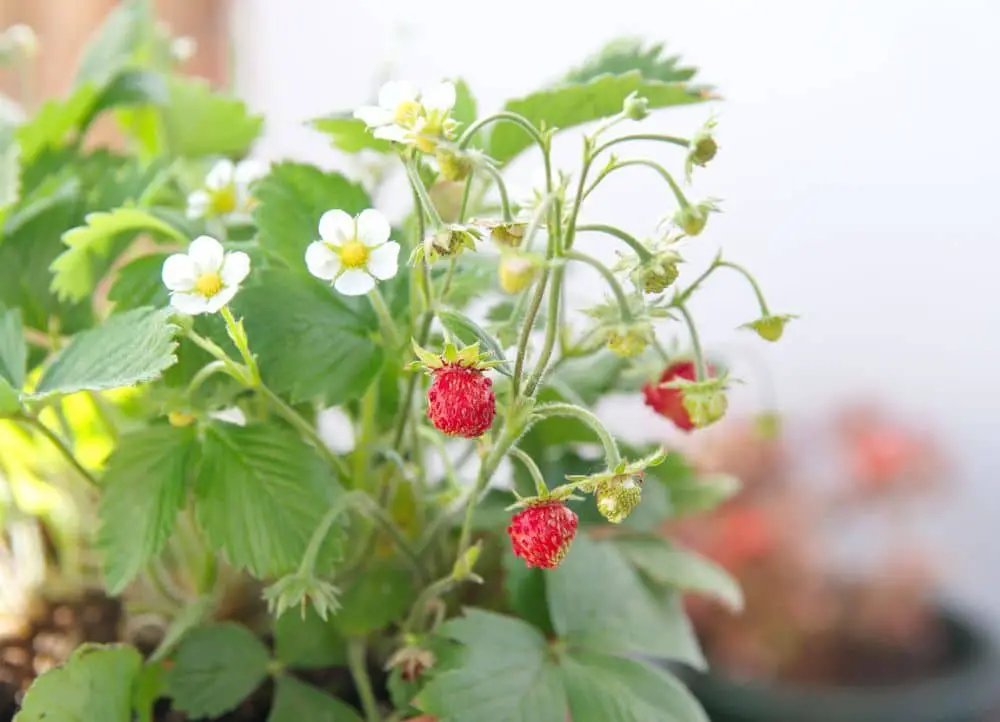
525,588
308,642
198,122
215,668
689,492
598,602
115,43
349,134
139,283
589,378
602,688
54,121
10,400
10,170
149,687
506,673
127,349
469,331
382,595
13,350
465,104
296,701
259,494
668,565
309,342
73,276
130,87
94,684
143,490
629,54
291,200
577,103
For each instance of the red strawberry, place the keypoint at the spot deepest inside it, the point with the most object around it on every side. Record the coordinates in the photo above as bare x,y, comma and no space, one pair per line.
541,533
461,401
670,402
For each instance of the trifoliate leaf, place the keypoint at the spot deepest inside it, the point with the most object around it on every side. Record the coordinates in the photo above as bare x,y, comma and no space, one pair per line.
309,342
13,350
291,200
506,673
139,283
296,701
260,493
95,683
215,668
198,122
143,490
125,350
685,570
624,55
577,103
307,642
602,688
73,277
599,603
115,44
468,331
349,134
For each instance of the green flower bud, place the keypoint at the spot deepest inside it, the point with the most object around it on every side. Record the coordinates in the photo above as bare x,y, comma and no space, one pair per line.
635,106
516,273
618,497
658,273
770,328
692,218
448,242
629,341
454,166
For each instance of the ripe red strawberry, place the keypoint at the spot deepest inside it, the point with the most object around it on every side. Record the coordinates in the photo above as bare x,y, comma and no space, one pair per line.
541,533
461,401
670,402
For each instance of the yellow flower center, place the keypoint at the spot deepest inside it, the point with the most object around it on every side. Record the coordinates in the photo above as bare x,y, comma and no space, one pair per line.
354,254
223,200
208,284
407,113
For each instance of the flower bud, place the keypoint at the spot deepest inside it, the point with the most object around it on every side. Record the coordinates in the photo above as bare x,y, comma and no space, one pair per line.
618,497
448,242
454,166
635,106
21,38
692,218
703,149
629,341
516,273
658,273
769,328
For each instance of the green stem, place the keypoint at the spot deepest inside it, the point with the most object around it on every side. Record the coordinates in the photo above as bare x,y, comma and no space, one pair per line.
502,187
663,173
204,373
306,429
525,337
515,118
463,209
366,432
699,357
682,142
63,449
389,331
350,499
449,276
588,158
395,534
421,192
581,414
684,295
616,287
551,328
357,661
411,386
541,488
430,593
239,337
640,250
753,282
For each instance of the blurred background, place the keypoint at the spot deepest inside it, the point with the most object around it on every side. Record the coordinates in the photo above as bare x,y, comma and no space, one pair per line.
858,168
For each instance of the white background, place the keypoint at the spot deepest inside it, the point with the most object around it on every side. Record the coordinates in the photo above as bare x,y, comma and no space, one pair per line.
859,163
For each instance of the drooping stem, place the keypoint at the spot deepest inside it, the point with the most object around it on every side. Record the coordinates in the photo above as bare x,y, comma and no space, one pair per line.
357,662
515,118
61,446
660,170
551,328
389,331
502,188
607,441
525,336
306,429
684,295
640,250
753,283
350,499
682,142
616,287
699,356
541,488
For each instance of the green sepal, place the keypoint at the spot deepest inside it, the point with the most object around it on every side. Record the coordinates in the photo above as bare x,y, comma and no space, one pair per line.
770,327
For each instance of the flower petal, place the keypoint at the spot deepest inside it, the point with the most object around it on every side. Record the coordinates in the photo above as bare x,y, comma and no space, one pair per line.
372,228
235,267
221,175
441,97
213,304
198,204
395,133
336,227
321,261
383,262
248,171
395,93
191,304
354,282
374,116
179,272
206,254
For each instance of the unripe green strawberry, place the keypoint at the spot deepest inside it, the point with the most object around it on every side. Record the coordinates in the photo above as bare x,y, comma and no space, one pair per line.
618,497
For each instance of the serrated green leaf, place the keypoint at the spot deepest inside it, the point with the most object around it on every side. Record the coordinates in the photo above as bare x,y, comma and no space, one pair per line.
150,685
115,43
143,490
573,104
139,283
73,277
464,110
127,349
505,673
525,589
310,343
55,121
259,494
469,331
630,54
130,87
308,642
602,688
13,349
95,683
198,122
215,668
599,603
402,692
685,570
290,201
349,134
296,701
381,595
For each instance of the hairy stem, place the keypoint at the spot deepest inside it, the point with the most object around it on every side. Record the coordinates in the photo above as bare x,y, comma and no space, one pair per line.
631,241
306,429
616,287
61,446
699,356
357,662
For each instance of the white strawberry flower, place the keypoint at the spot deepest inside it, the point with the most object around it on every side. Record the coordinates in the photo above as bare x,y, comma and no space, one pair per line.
206,278
226,190
404,115
354,253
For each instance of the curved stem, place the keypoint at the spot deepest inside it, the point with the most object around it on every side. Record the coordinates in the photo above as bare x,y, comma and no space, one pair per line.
682,142
541,488
663,173
463,209
306,429
357,662
385,318
395,534
206,372
616,287
630,240
516,118
430,593
607,441
308,564
63,449
699,357
753,282
421,192
684,295
525,337
551,328
502,187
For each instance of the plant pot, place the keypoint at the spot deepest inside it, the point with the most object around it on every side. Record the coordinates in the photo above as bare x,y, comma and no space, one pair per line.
968,690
